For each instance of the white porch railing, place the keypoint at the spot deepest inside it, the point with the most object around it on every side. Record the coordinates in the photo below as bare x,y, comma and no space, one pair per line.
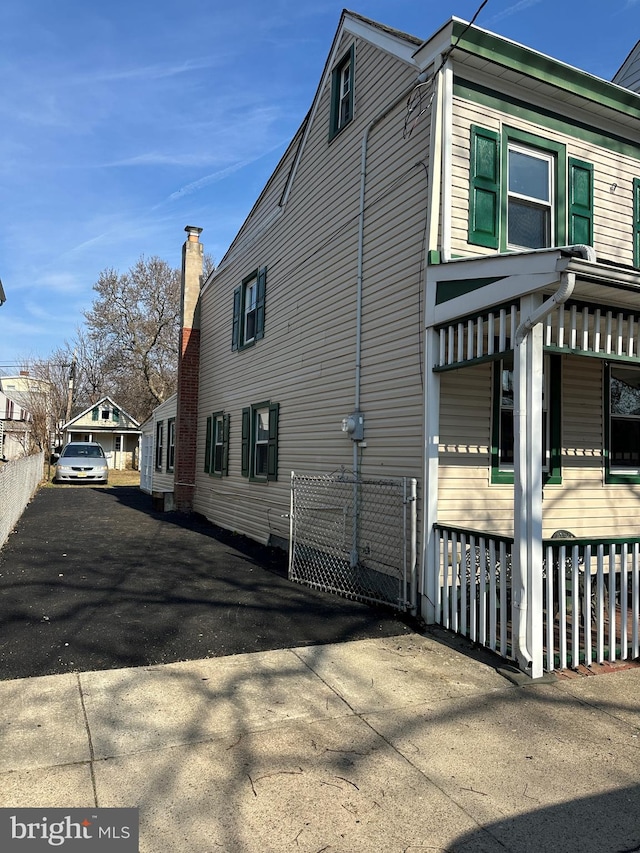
579,328
591,601
474,588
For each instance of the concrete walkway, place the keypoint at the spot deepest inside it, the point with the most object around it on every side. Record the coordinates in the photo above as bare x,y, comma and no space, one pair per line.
394,745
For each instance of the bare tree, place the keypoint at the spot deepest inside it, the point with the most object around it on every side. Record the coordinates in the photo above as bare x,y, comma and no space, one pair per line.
136,321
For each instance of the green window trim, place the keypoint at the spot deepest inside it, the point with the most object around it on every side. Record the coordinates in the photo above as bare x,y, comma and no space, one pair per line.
554,475
239,295
248,450
218,427
484,190
341,103
580,203
489,192
636,222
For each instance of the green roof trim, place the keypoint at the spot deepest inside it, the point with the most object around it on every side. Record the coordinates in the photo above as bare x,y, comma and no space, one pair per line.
479,94
447,290
533,64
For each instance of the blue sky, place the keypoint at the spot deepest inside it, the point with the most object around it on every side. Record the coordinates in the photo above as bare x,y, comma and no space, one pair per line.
122,122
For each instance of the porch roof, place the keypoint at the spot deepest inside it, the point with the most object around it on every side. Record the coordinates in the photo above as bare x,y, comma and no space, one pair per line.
465,286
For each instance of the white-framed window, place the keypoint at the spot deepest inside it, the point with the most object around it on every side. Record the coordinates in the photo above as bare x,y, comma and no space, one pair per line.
218,444
345,94
250,302
171,444
249,310
530,197
260,441
159,445
342,93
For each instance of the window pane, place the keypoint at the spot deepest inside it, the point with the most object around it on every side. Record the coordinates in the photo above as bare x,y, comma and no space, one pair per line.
506,437
528,225
250,326
262,425
261,460
625,443
529,175
625,392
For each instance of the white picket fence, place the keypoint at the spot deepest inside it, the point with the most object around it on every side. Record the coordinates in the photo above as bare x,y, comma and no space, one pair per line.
18,481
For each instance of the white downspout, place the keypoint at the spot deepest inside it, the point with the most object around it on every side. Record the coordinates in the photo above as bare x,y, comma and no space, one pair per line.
527,480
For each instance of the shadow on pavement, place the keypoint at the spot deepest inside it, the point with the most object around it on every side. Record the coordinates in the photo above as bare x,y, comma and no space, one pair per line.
92,578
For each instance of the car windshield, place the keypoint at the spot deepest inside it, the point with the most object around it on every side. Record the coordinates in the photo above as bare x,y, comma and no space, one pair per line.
82,450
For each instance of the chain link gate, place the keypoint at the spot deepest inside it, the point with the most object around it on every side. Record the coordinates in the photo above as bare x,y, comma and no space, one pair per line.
355,537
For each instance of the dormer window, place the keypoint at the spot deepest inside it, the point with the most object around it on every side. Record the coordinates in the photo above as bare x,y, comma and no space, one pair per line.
342,93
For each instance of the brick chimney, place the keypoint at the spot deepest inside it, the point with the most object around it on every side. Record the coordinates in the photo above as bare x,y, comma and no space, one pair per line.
188,373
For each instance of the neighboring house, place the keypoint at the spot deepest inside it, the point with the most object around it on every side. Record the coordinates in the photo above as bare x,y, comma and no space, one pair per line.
157,454
108,424
15,429
629,73
24,413
440,281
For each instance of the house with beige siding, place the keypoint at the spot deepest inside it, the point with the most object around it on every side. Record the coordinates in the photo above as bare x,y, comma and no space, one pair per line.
108,424
439,285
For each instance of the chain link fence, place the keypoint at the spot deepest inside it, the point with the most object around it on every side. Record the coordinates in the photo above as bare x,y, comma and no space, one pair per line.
355,537
18,481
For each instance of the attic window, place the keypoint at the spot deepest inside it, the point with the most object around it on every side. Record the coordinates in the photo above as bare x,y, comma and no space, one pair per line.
342,93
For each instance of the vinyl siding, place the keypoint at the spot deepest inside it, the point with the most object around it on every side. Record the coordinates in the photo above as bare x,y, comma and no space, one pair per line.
613,181
306,360
163,480
629,74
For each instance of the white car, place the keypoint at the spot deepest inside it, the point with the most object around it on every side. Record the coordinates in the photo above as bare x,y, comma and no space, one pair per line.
82,460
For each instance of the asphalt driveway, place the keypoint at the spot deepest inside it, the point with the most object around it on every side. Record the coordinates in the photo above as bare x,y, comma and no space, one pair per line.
93,579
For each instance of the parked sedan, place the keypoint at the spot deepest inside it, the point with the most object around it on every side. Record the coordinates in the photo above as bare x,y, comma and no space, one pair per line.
82,460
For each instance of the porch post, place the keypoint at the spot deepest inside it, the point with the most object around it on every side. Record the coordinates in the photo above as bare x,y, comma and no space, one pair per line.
527,484
430,565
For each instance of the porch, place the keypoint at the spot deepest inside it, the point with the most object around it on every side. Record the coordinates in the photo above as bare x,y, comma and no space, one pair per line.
551,340
590,603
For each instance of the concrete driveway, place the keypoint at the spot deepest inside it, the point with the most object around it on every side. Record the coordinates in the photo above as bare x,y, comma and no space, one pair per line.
93,579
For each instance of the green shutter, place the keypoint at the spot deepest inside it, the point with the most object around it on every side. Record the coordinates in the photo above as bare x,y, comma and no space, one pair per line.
260,297
580,203
636,222
235,335
208,446
225,445
246,438
484,189
116,414
94,414
272,446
